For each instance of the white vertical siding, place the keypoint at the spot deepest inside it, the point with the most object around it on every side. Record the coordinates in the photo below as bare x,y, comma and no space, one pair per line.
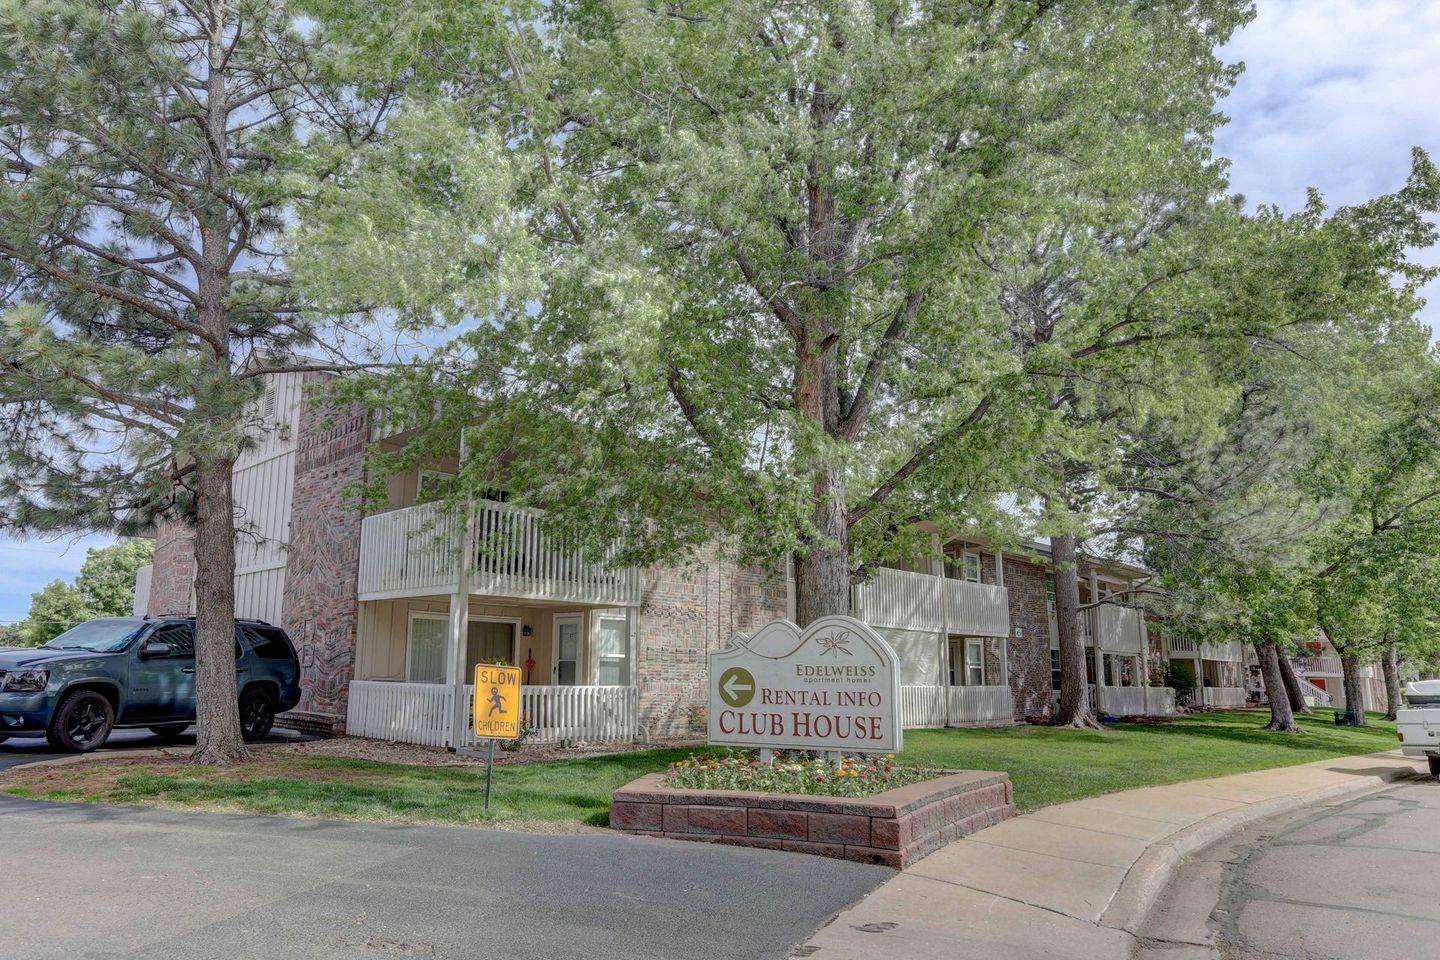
264,486
142,590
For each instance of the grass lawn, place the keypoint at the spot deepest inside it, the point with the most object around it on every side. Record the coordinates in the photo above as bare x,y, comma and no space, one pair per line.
1047,766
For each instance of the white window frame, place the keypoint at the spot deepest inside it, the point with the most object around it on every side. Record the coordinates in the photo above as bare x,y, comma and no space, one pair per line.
970,563
600,658
974,643
425,472
410,641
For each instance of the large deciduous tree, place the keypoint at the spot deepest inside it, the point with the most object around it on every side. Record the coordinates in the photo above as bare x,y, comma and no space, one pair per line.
104,587
149,153
740,264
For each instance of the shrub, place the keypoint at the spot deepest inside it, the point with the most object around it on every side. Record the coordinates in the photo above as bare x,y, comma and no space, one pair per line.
857,776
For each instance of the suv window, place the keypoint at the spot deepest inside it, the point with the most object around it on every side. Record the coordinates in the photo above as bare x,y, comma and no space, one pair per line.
268,643
178,637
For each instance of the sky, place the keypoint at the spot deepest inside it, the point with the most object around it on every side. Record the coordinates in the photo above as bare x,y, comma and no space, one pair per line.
1334,95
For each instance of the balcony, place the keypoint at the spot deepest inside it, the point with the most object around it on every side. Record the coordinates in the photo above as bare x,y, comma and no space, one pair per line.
415,551
902,600
1116,629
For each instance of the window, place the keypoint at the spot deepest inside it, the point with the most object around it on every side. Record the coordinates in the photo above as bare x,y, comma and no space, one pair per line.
1054,669
268,642
431,485
614,652
179,637
425,650
964,566
974,663
1050,593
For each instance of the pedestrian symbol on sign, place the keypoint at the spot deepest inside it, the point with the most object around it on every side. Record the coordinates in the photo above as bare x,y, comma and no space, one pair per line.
497,703
737,687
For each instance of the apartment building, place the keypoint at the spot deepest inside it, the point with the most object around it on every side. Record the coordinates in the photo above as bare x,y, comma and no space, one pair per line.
391,610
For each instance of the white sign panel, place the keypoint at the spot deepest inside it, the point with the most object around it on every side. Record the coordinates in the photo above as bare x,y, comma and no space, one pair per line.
833,686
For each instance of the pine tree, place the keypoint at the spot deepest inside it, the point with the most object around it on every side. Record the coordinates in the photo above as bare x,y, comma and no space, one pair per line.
151,153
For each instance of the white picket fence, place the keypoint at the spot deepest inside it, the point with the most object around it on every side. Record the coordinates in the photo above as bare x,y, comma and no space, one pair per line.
981,704
422,712
407,712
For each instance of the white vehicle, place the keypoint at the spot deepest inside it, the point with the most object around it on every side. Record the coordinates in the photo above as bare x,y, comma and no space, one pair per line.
1418,722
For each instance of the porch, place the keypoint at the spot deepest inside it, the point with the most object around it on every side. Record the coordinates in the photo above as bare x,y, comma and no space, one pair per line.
1219,668
1119,668
950,635
415,658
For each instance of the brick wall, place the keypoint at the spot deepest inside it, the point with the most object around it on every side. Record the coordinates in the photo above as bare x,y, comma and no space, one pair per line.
323,563
687,610
1029,652
173,575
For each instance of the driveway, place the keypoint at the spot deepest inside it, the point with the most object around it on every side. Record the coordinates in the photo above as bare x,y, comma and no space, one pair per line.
27,749
83,881
1351,881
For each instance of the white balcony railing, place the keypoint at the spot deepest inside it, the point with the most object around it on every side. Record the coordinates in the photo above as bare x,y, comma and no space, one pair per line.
415,551
1180,646
919,601
1137,701
1118,629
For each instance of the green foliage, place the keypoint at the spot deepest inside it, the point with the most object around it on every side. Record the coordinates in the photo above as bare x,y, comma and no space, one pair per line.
746,267
57,607
1180,677
152,154
105,587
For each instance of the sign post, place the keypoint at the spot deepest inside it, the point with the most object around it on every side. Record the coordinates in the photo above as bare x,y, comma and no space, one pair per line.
496,711
832,687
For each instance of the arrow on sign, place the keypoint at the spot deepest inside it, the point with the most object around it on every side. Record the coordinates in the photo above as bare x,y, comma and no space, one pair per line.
737,686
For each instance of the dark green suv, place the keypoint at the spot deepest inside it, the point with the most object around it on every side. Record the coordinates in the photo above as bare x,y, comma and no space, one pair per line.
137,672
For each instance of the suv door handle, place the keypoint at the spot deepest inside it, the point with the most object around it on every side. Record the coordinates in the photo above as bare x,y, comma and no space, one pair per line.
241,669
187,669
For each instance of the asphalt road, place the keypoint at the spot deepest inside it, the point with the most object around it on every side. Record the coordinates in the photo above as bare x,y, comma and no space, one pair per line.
28,749
81,881
1353,881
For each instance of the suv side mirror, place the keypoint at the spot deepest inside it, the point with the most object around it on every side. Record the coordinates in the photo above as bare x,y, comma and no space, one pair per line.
154,650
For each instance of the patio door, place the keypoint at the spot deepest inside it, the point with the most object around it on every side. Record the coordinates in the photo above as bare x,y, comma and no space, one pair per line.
488,641
568,631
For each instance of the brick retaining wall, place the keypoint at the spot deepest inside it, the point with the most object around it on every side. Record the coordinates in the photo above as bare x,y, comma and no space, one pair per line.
894,828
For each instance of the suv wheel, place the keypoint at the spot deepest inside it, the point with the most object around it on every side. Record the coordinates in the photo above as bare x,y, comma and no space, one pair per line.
257,716
170,731
81,722
1434,765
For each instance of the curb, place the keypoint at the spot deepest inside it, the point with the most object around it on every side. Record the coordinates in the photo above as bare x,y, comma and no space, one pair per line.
1148,877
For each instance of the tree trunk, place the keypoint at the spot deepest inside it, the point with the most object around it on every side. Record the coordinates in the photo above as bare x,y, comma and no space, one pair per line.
216,706
1075,709
1390,664
1282,718
1354,692
822,577
1292,686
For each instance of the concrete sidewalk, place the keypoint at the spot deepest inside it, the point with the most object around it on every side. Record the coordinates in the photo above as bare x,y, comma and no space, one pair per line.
1074,880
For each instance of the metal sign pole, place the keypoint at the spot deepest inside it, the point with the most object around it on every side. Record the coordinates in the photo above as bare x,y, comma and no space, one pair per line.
489,770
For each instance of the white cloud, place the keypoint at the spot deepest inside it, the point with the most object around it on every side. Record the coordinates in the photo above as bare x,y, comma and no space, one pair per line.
1334,95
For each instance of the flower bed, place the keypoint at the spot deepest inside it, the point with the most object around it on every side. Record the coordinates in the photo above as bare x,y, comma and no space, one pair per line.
895,827
795,773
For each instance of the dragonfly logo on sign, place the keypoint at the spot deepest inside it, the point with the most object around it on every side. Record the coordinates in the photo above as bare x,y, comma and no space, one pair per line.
833,686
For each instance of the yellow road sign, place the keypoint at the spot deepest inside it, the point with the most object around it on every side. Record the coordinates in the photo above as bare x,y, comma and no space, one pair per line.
497,702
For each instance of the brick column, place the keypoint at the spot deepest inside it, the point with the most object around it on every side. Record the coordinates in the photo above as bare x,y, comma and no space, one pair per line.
172,577
323,564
